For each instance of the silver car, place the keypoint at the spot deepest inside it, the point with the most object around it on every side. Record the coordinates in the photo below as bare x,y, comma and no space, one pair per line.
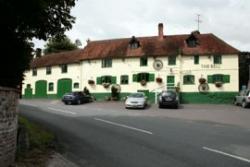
136,100
243,98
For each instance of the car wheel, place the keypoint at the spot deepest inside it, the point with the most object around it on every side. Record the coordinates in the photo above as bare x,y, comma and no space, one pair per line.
244,104
160,106
235,102
69,102
79,102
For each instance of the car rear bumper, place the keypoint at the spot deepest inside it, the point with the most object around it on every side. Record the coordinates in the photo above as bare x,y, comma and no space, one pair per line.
169,103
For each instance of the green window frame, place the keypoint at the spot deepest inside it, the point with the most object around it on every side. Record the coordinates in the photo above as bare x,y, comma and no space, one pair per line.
51,86
196,59
76,85
48,70
188,79
64,68
149,77
34,72
106,63
217,59
172,60
106,79
124,80
218,78
143,61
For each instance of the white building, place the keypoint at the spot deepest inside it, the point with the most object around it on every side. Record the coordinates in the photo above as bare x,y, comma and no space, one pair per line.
202,67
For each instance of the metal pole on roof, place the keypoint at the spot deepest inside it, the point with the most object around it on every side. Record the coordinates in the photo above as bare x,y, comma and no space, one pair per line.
198,21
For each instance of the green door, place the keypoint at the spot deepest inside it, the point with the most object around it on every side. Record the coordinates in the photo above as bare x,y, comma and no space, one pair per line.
170,82
63,86
41,89
28,92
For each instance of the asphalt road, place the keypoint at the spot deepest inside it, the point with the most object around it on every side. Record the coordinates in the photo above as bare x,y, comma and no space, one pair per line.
98,137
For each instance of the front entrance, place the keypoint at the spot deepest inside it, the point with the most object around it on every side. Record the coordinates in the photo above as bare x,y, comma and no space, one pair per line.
41,89
63,86
170,82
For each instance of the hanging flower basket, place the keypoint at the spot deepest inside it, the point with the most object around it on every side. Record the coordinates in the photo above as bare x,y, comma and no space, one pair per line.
91,82
143,82
159,80
218,84
106,85
202,80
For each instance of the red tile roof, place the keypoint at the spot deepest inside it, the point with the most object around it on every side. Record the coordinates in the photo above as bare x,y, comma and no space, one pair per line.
149,46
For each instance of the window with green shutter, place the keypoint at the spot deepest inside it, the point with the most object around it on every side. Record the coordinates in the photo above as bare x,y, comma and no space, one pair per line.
64,68
188,79
107,79
143,76
135,78
196,59
113,80
76,85
151,77
226,78
99,80
124,80
172,60
143,61
218,78
217,59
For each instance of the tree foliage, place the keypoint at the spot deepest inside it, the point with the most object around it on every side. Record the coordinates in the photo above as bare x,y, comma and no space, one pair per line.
21,21
60,44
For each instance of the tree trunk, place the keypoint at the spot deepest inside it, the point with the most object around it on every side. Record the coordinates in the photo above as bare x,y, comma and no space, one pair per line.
8,125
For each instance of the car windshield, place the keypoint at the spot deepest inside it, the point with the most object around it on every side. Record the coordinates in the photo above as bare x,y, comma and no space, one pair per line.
168,93
136,95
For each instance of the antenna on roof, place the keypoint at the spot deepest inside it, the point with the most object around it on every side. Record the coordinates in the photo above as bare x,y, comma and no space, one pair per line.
198,21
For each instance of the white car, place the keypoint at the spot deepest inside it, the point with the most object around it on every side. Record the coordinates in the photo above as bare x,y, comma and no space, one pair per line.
136,100
243,98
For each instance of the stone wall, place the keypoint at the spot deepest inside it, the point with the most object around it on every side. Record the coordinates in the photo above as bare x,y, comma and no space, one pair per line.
8,125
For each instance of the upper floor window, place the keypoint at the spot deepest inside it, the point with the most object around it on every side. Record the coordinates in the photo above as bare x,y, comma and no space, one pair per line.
34,72
48,70
64,68
106,63
143,61
217,59
196,59
124,79
171,60
188,79
192,40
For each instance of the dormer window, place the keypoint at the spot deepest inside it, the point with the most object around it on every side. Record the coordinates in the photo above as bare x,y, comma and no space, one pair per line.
192,40
134,43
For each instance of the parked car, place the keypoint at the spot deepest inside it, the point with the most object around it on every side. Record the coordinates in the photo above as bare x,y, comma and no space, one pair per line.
243,98
136,100
76,98
168,98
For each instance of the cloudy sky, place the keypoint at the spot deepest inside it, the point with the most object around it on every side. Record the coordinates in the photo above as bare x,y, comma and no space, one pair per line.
105,19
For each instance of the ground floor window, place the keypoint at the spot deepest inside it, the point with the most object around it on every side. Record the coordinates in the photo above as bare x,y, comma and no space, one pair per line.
124,79
51,86
143,76
188,79
218,78
106,79
76,85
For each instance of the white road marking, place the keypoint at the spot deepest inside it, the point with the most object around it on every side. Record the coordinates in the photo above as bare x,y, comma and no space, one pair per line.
124,126
63,111
227,154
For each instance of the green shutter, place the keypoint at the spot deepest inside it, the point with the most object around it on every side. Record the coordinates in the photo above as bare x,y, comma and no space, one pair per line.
99,80
226,78
209,79
113,80
135,78
152,77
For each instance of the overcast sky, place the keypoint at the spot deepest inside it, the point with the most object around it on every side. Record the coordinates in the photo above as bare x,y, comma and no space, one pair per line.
105,19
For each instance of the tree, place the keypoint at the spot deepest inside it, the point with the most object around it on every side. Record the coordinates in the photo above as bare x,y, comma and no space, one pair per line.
21,21
59,44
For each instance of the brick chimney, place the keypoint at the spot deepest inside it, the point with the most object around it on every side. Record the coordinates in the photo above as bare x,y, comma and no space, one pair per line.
160,30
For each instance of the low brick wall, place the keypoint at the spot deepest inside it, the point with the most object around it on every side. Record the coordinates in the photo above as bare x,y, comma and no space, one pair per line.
8,125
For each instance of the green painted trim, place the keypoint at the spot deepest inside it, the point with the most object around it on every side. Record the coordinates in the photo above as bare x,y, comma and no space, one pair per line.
207,98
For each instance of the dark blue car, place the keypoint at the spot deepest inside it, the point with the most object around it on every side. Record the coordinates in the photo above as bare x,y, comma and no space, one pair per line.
76,98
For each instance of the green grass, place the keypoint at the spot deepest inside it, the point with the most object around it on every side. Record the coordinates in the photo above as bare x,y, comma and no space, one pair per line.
40,147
